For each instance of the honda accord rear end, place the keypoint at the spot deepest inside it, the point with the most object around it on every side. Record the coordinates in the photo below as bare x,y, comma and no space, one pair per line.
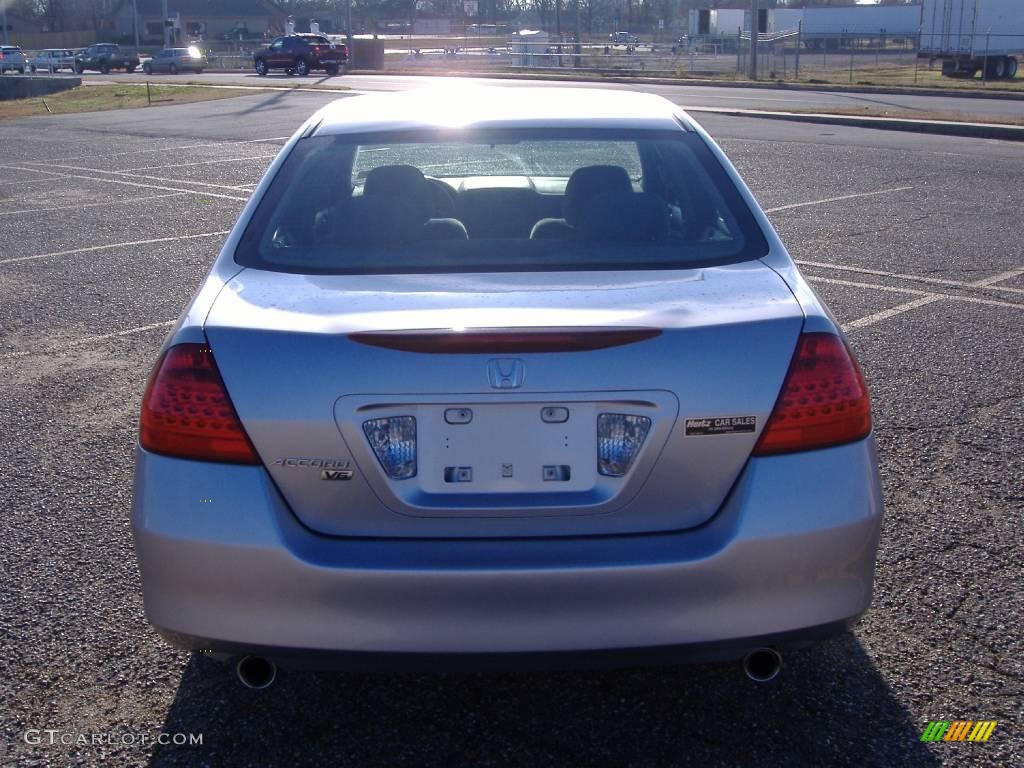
532,380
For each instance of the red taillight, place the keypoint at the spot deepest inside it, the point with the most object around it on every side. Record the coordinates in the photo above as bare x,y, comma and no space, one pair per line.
186,411
823,402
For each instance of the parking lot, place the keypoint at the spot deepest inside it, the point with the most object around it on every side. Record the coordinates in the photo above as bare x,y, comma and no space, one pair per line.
108,222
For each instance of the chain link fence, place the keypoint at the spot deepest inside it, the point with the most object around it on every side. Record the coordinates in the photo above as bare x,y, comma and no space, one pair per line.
825,57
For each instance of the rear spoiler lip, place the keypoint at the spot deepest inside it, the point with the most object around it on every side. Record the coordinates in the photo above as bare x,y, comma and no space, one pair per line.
473,341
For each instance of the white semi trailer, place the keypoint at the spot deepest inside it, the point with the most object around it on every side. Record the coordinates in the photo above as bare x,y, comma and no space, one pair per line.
715,22
836,27
831,27
972,36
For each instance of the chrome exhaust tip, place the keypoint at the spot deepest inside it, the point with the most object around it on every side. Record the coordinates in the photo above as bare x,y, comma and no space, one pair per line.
762,664
256,672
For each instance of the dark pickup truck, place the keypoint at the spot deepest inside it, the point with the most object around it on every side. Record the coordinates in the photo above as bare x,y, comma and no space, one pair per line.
105,57
301,54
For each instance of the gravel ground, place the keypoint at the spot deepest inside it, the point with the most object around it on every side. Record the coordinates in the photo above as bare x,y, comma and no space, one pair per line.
942,641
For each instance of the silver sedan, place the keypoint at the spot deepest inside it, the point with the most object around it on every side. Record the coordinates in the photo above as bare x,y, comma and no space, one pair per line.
53,60
504,377
175,60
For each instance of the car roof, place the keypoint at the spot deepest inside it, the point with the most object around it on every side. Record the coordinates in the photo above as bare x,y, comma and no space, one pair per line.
500,107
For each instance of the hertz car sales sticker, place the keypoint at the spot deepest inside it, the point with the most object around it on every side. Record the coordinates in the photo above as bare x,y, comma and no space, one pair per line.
724,425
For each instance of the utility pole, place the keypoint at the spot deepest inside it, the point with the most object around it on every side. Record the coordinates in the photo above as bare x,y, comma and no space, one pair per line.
167,30
348,33
135,24
5,22
577,48
753,39
558,28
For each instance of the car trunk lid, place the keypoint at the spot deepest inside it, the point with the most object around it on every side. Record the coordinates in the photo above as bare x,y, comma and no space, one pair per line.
507,378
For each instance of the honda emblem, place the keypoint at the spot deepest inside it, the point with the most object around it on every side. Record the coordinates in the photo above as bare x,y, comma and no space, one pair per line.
506,373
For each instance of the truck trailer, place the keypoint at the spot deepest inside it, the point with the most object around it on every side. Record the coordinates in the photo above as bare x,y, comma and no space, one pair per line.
972,36
831,27
837,27
714,22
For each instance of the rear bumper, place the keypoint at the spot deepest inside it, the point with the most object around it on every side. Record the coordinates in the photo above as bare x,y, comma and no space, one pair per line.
603,658
788,559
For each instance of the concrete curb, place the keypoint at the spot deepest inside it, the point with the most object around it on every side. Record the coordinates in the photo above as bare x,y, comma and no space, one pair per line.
935,127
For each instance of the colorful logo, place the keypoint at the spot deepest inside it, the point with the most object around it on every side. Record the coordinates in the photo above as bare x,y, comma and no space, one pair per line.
958,730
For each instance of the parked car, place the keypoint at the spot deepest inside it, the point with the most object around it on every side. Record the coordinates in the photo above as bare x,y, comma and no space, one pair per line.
301,54
105,57
623,38
175,60
52,60
12,58
487,377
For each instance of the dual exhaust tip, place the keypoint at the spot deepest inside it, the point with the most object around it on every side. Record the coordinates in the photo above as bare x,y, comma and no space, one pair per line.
762,664
256,672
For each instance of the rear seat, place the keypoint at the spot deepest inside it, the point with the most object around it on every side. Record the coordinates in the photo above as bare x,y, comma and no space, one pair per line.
405,191
636,217
584,184
504,212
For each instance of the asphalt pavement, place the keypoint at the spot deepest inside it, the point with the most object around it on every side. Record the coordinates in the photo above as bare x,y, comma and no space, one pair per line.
108,222
725,97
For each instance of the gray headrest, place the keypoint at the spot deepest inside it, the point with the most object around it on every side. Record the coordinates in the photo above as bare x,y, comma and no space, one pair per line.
625,217
589,181
403,183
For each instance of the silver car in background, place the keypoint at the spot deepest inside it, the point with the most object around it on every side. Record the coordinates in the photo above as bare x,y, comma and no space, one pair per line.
12,59
175,60
508,377
52,60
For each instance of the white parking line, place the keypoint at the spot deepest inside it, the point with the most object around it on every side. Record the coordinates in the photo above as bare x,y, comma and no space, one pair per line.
914,292
885,314
78,206
178,149
925,298
203,162
130,175
93,248
127,183
989,282
873,286
89,340
986,283
836,199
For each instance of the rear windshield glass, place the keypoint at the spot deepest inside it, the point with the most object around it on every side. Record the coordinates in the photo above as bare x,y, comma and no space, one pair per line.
484,201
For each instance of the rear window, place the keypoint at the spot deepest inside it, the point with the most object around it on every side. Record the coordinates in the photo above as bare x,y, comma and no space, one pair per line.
500,200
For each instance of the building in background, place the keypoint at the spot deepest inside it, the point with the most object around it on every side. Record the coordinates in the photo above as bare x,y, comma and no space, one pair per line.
200,20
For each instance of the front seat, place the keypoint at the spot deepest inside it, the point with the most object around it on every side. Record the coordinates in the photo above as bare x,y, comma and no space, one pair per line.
585,184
